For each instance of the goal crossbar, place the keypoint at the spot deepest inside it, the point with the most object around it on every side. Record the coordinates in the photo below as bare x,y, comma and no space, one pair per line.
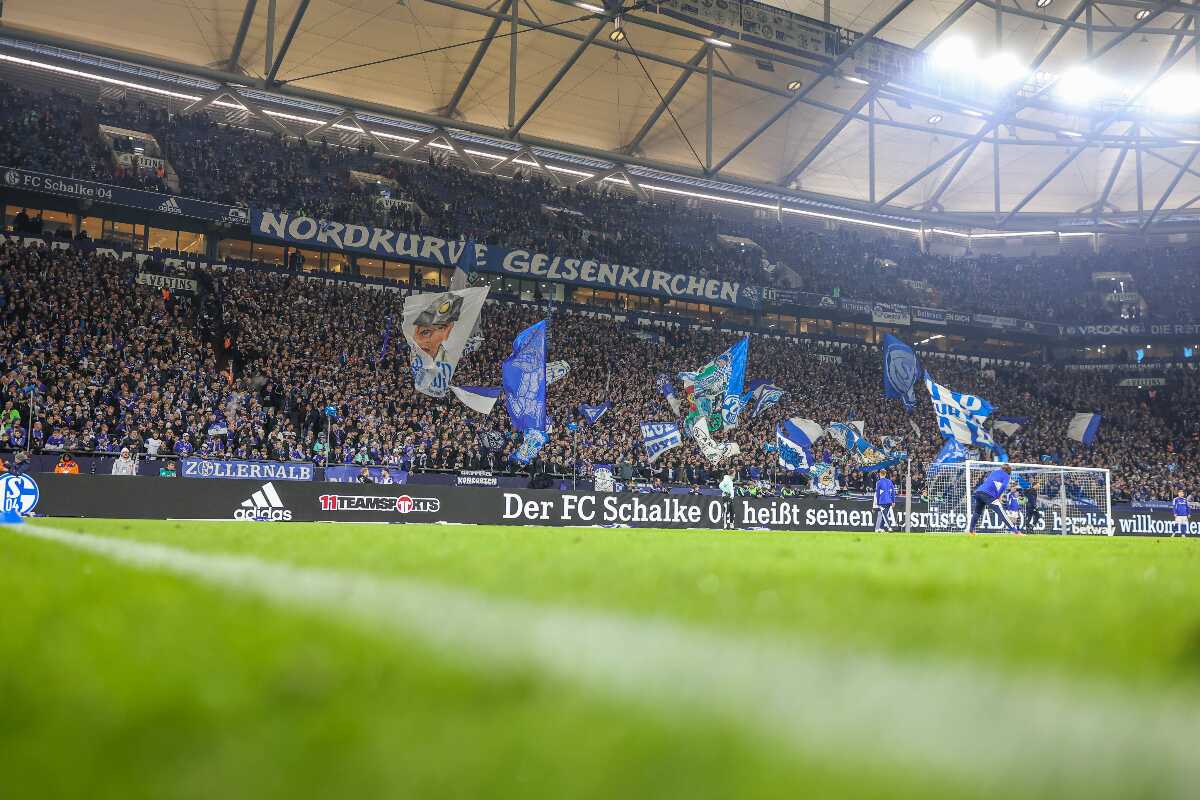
1044,498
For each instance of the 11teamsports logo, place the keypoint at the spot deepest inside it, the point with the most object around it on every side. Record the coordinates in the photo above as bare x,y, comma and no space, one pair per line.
404,504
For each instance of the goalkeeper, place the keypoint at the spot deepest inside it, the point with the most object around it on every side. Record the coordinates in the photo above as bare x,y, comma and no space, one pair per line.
988,492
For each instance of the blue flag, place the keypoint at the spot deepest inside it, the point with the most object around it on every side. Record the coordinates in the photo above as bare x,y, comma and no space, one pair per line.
951,453
525,379
900,371
594,413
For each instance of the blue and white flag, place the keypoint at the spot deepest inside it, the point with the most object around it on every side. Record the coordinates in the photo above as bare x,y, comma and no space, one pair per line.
794,439
594,413
731,409
1083,428
659,437
533,442
960,416
764,395
477,398
556,371
525,379
668,391
900,371
869,457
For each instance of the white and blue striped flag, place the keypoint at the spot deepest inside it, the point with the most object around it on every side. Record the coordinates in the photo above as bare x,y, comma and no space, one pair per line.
960,416
659,437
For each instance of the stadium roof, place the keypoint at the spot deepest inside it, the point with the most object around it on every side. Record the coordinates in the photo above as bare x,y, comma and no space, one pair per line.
924,126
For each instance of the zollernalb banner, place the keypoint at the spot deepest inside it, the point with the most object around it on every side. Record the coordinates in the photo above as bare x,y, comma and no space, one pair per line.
437,328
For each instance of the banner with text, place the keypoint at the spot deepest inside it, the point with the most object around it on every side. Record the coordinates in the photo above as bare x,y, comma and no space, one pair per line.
285,226
24,180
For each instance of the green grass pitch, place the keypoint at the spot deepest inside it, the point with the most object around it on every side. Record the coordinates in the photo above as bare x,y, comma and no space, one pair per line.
128,679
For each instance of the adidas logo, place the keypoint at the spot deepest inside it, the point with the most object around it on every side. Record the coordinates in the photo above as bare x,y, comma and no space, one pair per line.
170,206
265,504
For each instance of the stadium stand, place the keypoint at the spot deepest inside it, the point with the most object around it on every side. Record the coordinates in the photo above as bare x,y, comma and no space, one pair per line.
239,165
121,365
117,365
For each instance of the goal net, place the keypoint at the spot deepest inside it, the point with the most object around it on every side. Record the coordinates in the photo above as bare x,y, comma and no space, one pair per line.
1068,499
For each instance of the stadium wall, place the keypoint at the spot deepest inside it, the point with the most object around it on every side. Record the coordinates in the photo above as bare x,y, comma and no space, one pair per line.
309,501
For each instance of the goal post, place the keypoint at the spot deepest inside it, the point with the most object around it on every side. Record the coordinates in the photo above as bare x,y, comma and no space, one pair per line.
1074,500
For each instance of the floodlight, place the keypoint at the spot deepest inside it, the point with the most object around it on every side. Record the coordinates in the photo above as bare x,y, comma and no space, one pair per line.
1175,94
1002,69
1078,85
953,54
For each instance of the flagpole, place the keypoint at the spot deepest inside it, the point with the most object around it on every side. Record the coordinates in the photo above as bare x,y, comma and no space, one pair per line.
908,495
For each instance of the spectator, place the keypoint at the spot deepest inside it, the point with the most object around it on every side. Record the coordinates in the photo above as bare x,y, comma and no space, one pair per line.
67,465
21,463
124,464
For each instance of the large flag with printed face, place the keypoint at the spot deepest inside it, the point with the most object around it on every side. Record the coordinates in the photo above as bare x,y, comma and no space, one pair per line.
437,327
659,437
960,416
524,379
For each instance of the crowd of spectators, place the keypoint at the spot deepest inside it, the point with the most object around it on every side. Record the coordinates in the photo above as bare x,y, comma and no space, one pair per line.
237,165
90,361
112,364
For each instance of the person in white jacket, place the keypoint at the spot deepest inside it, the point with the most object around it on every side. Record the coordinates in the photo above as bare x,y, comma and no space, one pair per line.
124,465
727,492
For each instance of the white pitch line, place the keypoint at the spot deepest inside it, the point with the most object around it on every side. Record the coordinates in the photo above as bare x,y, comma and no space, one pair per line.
988,729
